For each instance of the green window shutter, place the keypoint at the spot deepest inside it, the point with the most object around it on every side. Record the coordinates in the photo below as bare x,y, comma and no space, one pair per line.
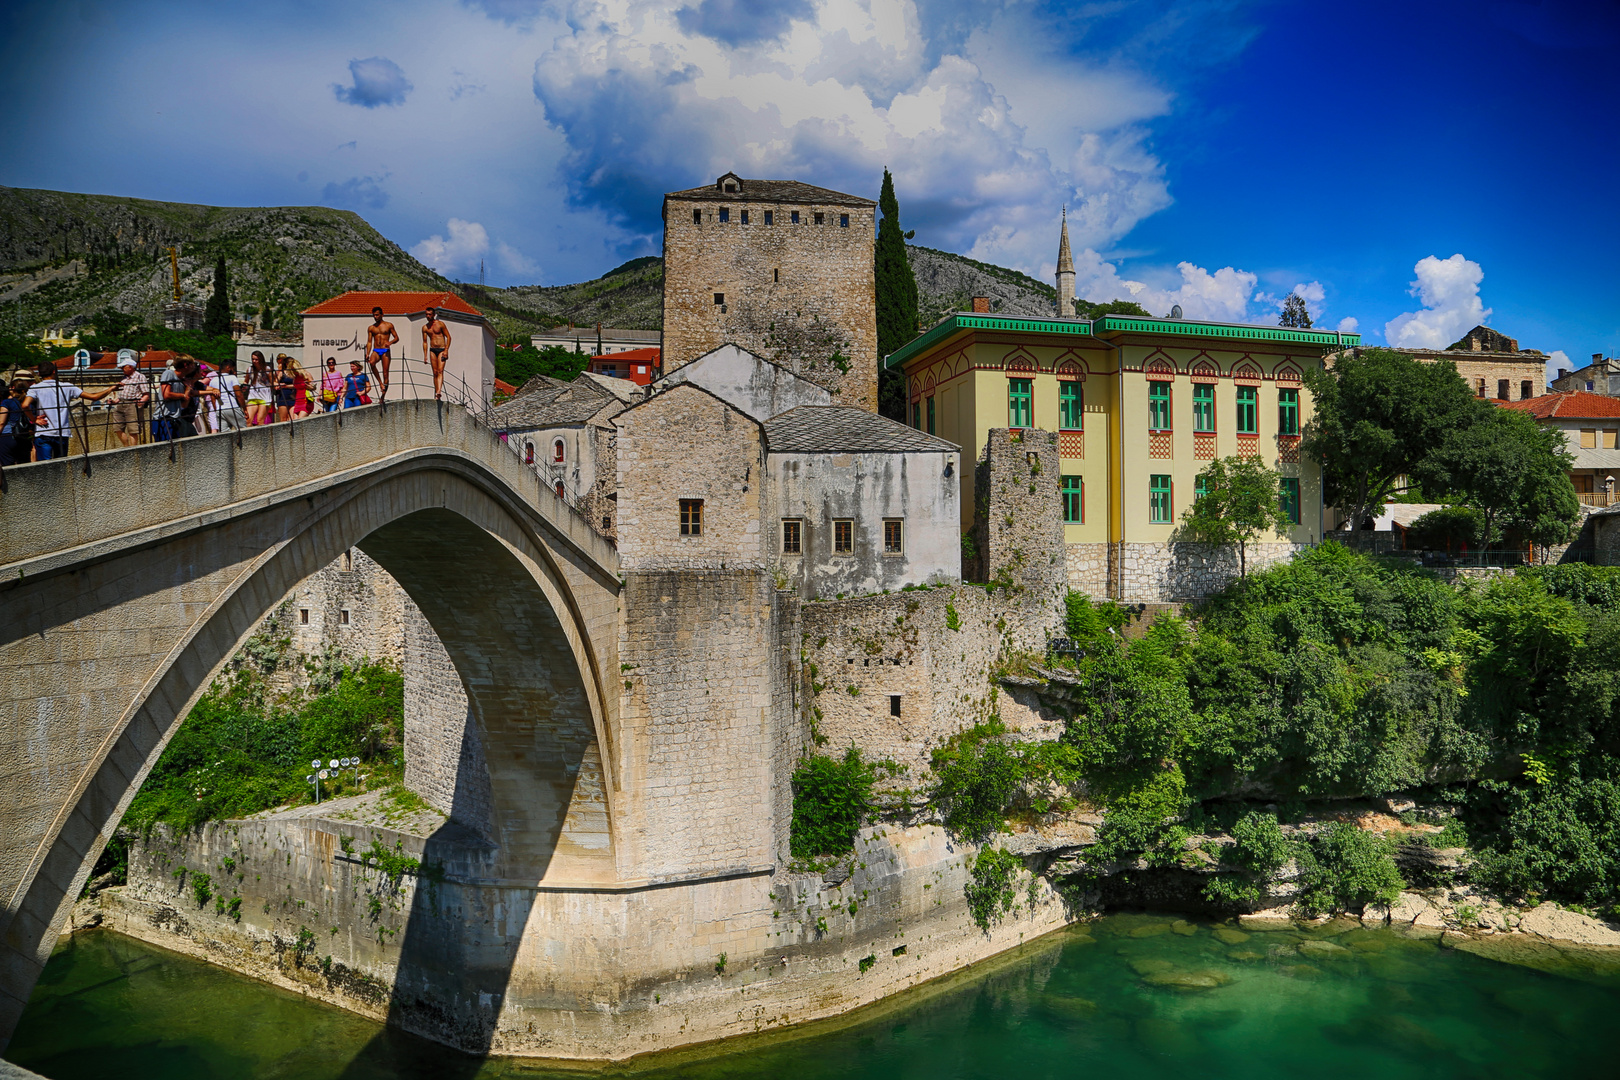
1288,412
1074,500
1200,488
931,415
1071,405
1288,495
1159,503
1247,422
1203,407
916,415
1018,403
1159,406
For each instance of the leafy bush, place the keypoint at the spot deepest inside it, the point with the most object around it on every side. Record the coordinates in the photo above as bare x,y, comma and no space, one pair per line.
992,889
831,800
1559,840
1344,868
1087,622
1447,528
1258,851
237,753
978,775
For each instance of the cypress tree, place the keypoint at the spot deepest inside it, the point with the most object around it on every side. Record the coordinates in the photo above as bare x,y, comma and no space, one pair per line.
896,301
217,314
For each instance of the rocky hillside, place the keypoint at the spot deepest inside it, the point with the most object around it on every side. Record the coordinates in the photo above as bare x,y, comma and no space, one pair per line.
65,256
947,283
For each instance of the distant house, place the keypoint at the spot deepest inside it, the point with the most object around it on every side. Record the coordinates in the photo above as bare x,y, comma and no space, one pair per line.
640,366
1601,376
1591,427
1493,365
597,340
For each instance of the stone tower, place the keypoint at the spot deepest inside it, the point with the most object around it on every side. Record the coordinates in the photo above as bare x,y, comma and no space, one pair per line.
782,269
1065,273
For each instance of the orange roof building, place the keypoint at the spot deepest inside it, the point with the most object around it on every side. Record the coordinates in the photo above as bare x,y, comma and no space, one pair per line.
640,366
337,328
1591,427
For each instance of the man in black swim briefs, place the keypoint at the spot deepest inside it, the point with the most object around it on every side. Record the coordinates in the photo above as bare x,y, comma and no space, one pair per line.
436,344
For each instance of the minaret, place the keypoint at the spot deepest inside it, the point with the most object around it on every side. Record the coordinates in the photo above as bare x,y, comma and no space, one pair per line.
1065,273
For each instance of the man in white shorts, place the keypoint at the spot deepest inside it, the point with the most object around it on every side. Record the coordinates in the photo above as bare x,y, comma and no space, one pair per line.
230,397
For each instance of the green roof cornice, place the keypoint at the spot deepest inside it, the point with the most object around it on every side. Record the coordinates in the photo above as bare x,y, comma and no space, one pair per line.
1118,324
961,321
1135,324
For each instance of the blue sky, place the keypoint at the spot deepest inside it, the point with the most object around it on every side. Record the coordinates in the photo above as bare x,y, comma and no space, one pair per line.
1411,168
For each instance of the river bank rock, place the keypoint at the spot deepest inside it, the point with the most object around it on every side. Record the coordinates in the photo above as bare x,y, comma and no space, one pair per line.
1275,918
1187,980
1554,923
1227,935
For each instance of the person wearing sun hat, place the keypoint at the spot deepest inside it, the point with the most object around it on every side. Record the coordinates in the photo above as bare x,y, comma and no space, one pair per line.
134,391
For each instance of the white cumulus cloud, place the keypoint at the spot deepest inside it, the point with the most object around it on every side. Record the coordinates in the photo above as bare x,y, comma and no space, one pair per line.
1449,292
467,242
1348,325
1222,296
377,80
652,96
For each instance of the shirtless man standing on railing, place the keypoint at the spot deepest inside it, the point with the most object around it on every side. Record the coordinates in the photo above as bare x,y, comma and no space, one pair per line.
436,348
380,337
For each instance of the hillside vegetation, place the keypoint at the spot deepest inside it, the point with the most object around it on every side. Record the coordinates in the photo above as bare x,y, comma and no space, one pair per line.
67,256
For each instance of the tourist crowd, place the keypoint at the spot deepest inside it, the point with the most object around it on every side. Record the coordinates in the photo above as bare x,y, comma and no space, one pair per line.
189,398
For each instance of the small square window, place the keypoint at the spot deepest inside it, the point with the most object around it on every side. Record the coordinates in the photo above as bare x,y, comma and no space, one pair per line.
792,536
843,221
821,219
894,704
795,217
745,217
1073,490
843,537
343,617
607,523
1526,390
770,217
719,299
1589,438
691,517
697,217
894,536
303,616
725,213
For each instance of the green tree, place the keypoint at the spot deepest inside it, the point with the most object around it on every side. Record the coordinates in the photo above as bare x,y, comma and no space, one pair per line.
1087,310
1378,415
217,312
1511,470
1295,313
1238,504
896,301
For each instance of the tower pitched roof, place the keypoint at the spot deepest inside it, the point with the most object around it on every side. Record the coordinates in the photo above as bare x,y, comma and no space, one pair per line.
1065,258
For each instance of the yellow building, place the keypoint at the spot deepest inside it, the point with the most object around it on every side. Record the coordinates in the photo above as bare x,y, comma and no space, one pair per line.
1141,406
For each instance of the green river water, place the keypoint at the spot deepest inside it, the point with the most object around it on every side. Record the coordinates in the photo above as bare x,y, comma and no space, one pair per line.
1125,996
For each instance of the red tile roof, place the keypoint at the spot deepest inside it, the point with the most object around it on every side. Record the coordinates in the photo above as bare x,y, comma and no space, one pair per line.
108,361
392,303
502,387
649,355
1576,405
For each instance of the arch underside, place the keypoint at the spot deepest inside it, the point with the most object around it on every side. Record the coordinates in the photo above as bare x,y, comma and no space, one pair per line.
491,588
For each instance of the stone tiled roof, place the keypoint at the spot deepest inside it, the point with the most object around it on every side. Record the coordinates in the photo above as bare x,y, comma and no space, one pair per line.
544,402
775,191
840,429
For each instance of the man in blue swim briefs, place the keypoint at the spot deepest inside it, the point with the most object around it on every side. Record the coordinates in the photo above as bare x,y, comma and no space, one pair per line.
380,337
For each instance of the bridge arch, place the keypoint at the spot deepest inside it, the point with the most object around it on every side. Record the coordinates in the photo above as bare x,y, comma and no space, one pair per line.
132,631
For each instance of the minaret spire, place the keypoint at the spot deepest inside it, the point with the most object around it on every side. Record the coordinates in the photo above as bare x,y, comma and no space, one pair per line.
1065,272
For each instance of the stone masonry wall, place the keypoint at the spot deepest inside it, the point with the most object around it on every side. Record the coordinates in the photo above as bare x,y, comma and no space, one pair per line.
1183,571
937,649
1088,569
349,610
444,759
687,444
1018,512
792,293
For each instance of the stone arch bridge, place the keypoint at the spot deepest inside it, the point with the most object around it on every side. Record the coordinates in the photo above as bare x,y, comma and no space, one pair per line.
127,580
